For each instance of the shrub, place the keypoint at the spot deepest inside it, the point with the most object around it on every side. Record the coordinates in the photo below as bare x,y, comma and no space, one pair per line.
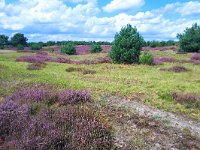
13,118
19,38
104,60
74,96
34,94
69,49
1,46
195,57
160,60
146,58
191,100
83,70
127,46
189,40
176,69
20,47
36,46
96,48
32,59
36,66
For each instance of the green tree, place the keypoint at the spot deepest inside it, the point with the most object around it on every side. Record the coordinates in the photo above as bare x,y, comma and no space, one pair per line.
190,39
3,41
19,38
69,49
96,48
127,46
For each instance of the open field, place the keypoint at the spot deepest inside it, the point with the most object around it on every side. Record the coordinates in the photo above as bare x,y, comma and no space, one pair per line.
111,84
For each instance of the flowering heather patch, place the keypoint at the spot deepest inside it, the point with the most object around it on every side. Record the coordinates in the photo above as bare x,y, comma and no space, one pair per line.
195,62
104,60
35,94
176,69
83,49
106,48
36,66
33,59
86,62
160,60
42,53
63,60
74,96
84,129
13,118
196,57
164,48
191,99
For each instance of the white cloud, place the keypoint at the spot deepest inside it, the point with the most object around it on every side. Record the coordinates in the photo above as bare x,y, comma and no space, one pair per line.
116,5
55,20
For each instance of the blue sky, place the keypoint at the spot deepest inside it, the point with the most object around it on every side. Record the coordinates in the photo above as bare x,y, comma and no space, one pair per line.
44,20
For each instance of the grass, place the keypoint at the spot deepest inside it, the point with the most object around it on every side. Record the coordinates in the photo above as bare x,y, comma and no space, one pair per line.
126,80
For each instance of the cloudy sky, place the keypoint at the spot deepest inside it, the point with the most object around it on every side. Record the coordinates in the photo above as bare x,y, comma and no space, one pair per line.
44,20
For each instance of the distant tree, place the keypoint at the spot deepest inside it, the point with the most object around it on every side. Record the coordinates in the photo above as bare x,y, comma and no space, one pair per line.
190,39
69,49
20,47
96,48
36,46
19,38
3,41
127,46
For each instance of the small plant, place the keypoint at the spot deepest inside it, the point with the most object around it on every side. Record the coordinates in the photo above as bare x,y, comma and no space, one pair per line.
191,100
36,66
74,96
20,47
13,118
69,49
196,56
146,58
176,69
96,48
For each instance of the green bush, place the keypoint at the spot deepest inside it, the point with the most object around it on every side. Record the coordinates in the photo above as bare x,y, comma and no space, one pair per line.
20,47
127,46
190,39
96,48
36,46
69,49
146,58
1,46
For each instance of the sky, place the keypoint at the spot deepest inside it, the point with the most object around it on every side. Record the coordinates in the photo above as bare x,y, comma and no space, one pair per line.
96,20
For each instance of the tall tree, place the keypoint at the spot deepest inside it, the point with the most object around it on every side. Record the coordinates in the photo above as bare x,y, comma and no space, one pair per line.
19,38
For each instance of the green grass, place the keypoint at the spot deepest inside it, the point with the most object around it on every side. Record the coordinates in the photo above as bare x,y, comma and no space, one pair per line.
126,80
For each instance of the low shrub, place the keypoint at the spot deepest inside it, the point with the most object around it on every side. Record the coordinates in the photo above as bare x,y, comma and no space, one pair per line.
176,69
196,57
20,47
146,58
191,100
13,118
36,46
160,60
96,48
36,66
69,49
42,53
74,96
34,94
83,70
32,59
104,60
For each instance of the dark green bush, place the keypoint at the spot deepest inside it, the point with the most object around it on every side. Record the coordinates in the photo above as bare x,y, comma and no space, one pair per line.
190,39
127,46
36,46
69,49
96,48
20,47
146,58
19,38
1,46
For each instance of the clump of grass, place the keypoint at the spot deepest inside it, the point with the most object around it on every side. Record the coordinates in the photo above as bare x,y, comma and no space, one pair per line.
36,66
177,69
191,100
83,70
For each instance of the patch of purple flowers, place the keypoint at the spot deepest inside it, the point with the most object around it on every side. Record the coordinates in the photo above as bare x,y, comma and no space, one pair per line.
33,59
13,118
74,96
160,60
196,56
